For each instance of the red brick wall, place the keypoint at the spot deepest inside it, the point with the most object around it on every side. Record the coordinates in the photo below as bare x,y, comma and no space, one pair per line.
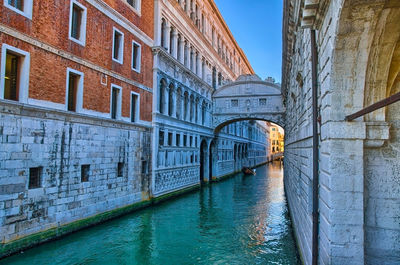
50,24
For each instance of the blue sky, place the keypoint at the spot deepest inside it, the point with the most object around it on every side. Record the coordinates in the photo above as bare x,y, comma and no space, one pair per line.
257,27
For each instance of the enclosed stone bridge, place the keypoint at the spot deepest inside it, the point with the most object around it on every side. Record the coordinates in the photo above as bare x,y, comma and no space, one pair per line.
248,98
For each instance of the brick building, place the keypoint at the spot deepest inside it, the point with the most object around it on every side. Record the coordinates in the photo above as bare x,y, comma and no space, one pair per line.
75,116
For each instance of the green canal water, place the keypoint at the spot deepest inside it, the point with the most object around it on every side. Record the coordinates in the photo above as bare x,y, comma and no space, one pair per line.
243,220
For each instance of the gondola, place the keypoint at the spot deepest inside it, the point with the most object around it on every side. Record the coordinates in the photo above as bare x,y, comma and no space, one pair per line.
248,171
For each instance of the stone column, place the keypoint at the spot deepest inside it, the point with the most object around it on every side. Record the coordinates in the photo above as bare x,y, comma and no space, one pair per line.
181,50
188,7
189,54
199,73
166,101
198,109
195,58
182,117
203,74
175,43
167,35
175,100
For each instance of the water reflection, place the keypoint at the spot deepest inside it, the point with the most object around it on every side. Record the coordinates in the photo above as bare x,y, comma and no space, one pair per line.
242,220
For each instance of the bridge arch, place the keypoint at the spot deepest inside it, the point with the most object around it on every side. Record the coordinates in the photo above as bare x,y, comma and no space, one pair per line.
248,98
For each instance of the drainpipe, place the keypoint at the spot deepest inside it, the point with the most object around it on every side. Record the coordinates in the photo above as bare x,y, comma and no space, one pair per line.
315,187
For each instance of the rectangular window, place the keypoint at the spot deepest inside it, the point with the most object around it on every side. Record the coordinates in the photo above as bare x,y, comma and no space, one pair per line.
11,77
22,7
262,101
118,46
191,141
170,135
74,90
14,74
184,140
135,4
120,169
134,107
136,56
85,170
144,167
115,102
77,24
161,138
35,175
178,139
234,103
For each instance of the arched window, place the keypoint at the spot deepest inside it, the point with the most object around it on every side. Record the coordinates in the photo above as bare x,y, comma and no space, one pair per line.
178,103
214,78
163,25
196,110
179,47
171,100
171,40
203,113
163,85
191,108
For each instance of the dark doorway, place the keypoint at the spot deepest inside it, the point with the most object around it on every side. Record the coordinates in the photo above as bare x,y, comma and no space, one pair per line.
203,160
211,158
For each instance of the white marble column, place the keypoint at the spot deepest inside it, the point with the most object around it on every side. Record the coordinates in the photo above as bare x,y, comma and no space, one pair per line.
167,30
166,101
175,43
189,55
181,50
199,72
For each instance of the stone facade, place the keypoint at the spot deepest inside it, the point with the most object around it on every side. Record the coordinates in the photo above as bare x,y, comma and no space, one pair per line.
60,147
359,190
194,54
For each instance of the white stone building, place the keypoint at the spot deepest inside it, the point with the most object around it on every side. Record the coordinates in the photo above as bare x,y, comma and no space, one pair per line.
357,54
194,54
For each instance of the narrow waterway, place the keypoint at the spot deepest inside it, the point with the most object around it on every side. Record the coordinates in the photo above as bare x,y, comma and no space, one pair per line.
242,220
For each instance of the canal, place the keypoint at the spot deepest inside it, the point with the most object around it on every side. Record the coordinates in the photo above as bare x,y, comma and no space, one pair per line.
243,220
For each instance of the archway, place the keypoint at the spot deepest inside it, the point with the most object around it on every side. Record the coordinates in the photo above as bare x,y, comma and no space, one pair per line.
203,160
212,157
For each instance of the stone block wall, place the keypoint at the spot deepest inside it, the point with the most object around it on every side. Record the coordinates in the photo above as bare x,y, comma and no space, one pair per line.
59,144
358,172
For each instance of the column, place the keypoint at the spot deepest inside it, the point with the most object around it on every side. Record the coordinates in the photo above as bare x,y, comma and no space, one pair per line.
166,101
198,107
189,54
195,58
199,66
167,35
182,117
188,6
181,50
175,43
175,100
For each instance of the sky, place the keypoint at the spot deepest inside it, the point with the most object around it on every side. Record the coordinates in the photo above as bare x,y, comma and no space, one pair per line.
257,28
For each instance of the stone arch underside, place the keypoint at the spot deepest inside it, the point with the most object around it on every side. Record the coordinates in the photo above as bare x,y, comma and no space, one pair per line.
248,98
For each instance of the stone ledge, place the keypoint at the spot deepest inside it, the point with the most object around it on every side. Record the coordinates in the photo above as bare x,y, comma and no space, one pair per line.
16,108
377,132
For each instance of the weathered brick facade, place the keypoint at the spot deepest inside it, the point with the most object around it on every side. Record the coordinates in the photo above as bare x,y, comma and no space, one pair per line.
39,134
